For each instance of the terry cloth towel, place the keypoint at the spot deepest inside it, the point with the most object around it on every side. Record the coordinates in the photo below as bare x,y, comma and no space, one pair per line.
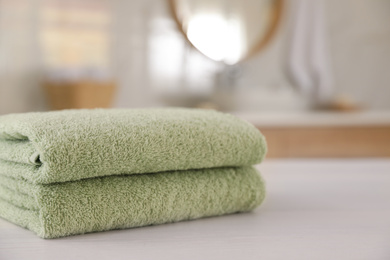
116,202
77,171
76,144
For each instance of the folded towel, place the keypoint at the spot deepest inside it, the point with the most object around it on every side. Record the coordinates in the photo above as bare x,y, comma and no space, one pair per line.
116,202
78,171
77,144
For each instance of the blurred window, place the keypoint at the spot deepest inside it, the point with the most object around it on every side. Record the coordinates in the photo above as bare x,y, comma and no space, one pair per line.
75,34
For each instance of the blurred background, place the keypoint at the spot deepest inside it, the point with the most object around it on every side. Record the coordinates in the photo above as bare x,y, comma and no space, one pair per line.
313,75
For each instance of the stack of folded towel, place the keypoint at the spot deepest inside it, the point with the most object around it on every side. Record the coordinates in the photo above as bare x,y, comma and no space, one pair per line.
77,171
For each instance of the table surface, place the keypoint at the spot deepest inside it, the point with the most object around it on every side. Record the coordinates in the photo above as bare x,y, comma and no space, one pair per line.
315,209
318,119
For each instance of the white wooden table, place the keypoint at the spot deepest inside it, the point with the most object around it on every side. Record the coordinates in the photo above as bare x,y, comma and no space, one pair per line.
315,209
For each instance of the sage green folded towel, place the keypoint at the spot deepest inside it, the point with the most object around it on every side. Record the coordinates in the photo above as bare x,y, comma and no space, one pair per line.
116,202
78,171
76,144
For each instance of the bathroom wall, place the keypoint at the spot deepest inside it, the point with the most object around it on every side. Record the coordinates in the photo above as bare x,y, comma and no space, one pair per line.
360,48
154,66
359,43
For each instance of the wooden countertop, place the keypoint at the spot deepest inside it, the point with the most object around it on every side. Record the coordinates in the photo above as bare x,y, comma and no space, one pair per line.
324,134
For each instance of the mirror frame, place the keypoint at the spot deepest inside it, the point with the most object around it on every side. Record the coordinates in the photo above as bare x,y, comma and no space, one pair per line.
261,44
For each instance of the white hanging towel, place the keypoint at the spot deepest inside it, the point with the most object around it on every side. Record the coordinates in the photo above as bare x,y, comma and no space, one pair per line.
307,63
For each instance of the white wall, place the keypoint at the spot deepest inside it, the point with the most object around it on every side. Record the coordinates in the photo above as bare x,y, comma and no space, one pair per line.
360,47
359,40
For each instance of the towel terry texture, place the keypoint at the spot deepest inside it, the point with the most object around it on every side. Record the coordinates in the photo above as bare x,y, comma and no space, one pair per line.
77,171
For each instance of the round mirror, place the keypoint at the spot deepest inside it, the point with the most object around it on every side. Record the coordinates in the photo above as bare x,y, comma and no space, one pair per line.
227,30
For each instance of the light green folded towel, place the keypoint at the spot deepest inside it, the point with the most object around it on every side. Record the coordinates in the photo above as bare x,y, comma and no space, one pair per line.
78,171
116,202
76,144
